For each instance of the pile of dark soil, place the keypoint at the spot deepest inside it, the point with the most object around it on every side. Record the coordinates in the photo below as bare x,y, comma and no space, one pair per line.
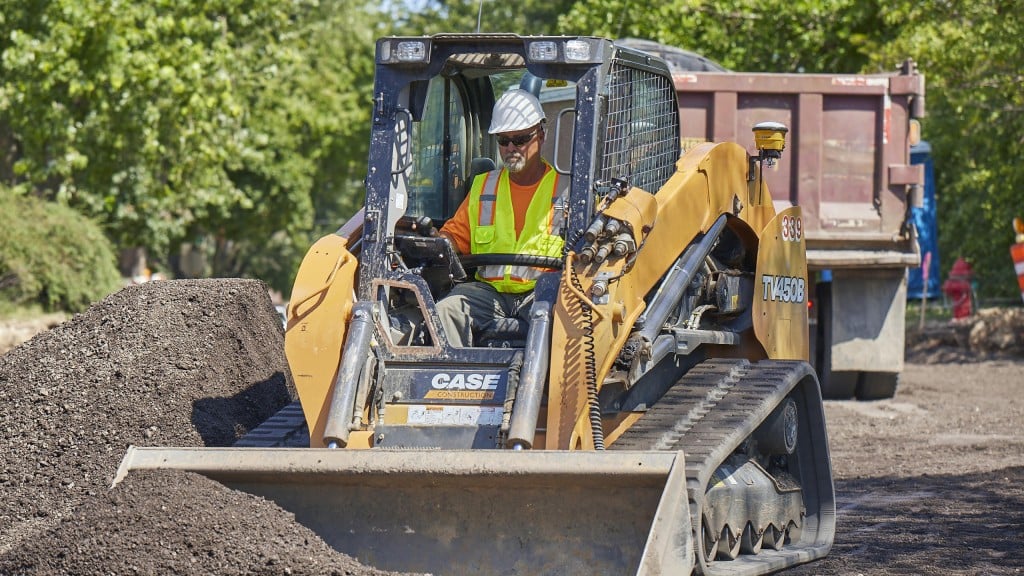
170,363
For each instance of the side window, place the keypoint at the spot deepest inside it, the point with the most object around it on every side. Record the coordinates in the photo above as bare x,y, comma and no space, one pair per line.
439,159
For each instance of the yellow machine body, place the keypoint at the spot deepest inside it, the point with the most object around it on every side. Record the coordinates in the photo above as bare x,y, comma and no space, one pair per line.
656,415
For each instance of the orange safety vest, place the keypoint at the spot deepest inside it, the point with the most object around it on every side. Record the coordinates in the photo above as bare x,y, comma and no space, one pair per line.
492,228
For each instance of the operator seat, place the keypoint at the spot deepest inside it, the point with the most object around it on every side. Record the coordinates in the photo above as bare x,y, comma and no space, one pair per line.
503,333
478,166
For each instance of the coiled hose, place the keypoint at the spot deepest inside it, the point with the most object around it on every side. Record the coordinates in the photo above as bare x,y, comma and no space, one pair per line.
590,364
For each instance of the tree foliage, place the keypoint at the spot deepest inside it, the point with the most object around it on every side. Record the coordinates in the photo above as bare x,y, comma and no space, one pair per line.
527,17
176,121
311,105
748,35
52,256
972,55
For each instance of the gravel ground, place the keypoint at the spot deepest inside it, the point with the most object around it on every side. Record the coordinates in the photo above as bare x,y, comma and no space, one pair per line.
929,482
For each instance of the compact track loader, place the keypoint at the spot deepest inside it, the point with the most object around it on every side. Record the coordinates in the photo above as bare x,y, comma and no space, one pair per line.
656,415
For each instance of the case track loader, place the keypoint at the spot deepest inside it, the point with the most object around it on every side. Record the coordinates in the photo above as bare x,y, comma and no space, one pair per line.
656,415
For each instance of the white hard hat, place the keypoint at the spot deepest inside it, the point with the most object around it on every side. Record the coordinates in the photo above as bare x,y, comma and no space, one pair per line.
516,110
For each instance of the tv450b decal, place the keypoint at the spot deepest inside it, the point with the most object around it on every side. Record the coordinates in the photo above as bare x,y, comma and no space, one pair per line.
783,288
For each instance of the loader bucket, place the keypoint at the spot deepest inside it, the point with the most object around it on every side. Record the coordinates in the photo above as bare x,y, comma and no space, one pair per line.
468,512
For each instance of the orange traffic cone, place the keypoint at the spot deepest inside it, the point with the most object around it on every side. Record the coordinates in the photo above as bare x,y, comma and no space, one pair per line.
1017,253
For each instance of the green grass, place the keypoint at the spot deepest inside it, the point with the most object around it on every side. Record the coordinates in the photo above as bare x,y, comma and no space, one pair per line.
934,311
11,311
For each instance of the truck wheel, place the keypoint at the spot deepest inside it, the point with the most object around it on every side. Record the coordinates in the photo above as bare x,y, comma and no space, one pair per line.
877,385
839,385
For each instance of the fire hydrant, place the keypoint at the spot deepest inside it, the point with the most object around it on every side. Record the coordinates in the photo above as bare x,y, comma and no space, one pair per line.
958,288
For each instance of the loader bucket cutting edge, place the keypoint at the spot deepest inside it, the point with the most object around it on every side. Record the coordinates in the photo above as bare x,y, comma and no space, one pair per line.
467,512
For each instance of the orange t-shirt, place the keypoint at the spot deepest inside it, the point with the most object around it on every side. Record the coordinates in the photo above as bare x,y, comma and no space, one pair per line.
458,227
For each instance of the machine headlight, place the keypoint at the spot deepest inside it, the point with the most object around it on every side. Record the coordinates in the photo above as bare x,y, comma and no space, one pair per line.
577,50
395,51
545,51
411,51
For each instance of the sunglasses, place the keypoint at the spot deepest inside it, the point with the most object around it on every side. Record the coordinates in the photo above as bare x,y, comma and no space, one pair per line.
520,140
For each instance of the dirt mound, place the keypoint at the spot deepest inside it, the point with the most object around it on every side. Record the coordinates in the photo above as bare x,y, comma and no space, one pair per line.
990,334
172,363
172,522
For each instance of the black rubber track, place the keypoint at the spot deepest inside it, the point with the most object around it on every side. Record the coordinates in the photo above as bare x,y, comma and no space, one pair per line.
286,429
709,412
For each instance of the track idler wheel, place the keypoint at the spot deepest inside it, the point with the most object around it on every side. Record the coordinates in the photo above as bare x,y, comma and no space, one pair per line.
778,433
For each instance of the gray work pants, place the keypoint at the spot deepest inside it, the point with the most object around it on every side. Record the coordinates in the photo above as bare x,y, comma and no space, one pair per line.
471,306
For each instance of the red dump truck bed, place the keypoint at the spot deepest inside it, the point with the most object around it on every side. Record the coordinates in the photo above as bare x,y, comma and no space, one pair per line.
847,164
847,158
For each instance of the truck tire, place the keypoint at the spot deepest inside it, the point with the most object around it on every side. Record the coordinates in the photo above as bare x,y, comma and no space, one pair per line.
834,385
839,385
877,385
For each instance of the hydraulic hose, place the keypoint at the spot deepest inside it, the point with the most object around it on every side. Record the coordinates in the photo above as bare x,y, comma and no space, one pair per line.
590,364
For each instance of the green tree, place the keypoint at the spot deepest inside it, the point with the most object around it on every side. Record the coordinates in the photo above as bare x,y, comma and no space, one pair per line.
747,35
310,102
228,121
527,17
973,58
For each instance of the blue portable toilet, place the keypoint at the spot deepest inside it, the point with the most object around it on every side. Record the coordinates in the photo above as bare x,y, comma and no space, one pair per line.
924,219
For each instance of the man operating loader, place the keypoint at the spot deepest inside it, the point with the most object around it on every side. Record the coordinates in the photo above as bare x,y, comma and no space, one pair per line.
512,210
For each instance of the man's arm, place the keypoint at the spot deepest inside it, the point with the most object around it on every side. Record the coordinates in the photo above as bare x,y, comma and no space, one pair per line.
457,228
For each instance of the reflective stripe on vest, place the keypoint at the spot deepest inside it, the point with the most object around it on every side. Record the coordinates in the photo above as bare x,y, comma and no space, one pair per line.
492,228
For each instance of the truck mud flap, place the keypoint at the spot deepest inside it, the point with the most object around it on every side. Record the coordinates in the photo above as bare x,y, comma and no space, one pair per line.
468,512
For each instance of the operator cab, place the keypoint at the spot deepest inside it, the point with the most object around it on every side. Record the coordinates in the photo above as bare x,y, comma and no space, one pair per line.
448,145
433,100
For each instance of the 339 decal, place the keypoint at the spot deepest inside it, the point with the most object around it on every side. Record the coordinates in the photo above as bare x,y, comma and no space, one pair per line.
792,228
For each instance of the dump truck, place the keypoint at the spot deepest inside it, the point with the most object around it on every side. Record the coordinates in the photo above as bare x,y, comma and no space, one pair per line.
657,414
850,169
